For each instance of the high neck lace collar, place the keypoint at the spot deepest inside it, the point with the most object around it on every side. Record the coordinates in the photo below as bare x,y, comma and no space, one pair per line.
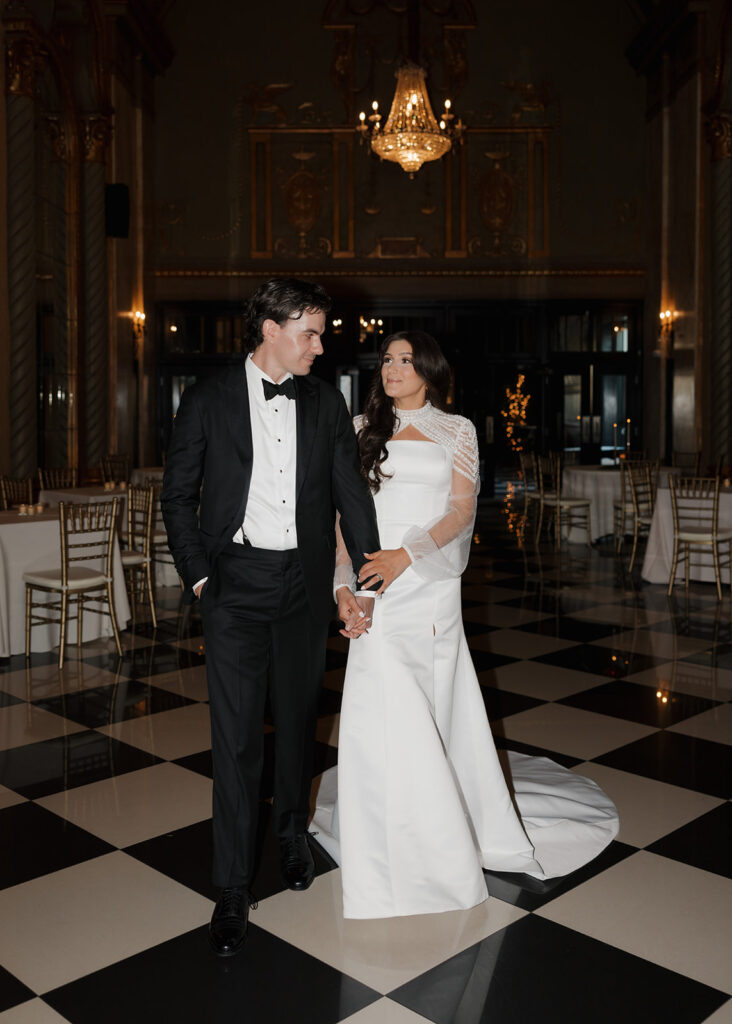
407,417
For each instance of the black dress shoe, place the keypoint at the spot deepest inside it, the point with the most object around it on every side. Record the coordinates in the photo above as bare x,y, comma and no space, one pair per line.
296,862
228,927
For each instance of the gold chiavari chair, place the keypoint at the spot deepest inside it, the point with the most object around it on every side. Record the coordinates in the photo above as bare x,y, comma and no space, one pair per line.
527,466
66,476
115,469
569,512
695,509
623,509
642,494
15,492
87,536
136,558
160,552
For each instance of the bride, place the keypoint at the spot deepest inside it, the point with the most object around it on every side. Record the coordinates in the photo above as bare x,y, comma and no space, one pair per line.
419,805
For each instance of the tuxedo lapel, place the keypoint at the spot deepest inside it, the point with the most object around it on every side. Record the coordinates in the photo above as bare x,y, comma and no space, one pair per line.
307,420
239,422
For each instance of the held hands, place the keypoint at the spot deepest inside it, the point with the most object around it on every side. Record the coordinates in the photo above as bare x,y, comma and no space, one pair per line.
385,566
354,612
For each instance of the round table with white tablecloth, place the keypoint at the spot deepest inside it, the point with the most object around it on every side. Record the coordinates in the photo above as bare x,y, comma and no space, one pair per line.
601,484
660,547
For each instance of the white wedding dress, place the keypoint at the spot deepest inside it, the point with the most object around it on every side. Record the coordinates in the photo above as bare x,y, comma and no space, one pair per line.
419,805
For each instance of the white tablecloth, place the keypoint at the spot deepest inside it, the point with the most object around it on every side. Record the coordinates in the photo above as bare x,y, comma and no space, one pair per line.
660,546
142,474
601,484
33,542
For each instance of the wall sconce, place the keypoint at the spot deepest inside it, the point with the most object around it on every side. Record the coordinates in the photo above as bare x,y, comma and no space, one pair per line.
666,320
138,323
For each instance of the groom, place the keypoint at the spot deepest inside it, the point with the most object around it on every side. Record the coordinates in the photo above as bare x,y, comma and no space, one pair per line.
260,460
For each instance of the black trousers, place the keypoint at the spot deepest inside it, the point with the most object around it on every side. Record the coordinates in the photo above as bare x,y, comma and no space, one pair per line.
259,633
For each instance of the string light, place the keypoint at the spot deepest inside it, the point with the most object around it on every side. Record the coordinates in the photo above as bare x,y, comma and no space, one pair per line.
515,414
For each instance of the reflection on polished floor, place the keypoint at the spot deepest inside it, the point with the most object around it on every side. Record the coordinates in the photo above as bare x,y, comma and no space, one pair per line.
105,791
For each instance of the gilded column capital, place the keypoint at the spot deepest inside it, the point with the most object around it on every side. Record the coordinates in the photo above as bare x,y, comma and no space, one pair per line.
719,133
22,61
97,133
57,134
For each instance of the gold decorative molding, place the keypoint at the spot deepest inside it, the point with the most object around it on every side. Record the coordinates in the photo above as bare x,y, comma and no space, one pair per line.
96,134
407,248
719,134
22,61
374,271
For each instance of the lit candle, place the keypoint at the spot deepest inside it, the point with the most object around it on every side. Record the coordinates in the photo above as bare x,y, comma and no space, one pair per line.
615,442
627,435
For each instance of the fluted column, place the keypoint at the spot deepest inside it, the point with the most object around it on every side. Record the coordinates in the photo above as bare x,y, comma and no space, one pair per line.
96,137
21,65
720,136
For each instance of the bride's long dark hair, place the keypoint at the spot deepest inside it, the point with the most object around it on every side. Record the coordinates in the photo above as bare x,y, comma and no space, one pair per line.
379,416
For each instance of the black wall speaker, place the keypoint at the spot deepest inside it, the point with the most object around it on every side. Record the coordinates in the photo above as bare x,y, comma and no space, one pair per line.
117,210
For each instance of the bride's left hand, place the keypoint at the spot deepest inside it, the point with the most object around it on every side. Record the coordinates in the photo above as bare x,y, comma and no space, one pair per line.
385,566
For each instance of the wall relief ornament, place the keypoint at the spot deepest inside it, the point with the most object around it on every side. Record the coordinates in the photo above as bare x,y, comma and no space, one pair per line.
56,131
719,134
22,63
302,194
96,134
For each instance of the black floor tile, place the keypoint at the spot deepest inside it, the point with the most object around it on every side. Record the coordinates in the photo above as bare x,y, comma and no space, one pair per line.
7,699
677,759
704,843
51,766
502,703
718,657
41,842
483,660
636,703
603,661
12,991
531,893
200,762
566,628
182,981
536,970
329,701
335,659
117,702
478,628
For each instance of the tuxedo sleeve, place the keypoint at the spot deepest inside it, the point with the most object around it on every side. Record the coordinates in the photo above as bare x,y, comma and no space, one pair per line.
181,490
351,493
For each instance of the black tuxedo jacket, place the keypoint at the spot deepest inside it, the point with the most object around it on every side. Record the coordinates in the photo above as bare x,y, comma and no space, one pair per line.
209,468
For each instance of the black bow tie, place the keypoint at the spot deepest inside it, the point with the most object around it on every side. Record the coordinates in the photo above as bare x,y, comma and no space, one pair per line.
286,388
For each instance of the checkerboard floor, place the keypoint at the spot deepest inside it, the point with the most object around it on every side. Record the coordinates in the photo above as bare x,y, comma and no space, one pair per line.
105,788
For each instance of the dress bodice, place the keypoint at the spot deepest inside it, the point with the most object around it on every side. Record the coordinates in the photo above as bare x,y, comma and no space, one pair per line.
419,484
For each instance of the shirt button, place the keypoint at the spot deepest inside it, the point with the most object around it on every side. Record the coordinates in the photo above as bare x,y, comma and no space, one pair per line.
283,501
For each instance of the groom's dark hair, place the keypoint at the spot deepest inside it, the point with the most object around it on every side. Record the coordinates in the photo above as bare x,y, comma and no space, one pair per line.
281,299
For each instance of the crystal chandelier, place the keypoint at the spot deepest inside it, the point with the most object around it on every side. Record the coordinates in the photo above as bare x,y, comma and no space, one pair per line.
411,135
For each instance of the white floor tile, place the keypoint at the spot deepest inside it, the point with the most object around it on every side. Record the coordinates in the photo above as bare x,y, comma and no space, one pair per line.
8,798
137,805
168,734
514,643
384,953
93,914
687,677
534,679
722,1016
654,642
620,615
188,682
383,1011
672,914
568,730
34,1011
501,616
714,724
24,723
647,809
41,681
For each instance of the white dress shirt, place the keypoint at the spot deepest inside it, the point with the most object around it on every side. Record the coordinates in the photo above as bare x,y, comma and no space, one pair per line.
269,519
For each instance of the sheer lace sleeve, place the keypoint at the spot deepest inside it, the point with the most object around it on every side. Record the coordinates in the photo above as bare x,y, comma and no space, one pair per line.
344,574
440,549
